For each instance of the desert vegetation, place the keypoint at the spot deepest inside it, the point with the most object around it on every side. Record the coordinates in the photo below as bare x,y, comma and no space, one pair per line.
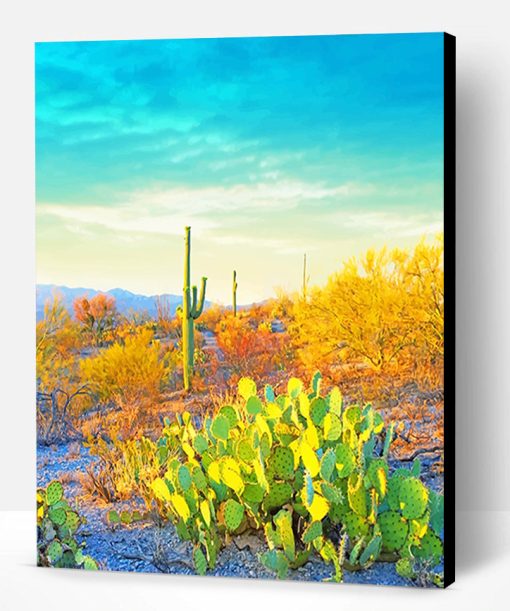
306,429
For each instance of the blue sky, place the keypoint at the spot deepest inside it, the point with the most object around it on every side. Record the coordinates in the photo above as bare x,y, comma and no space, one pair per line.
267,147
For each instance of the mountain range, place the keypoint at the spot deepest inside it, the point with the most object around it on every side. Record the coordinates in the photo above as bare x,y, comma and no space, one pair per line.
126,301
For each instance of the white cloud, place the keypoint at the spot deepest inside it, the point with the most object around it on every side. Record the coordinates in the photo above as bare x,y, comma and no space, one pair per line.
167,211
390,224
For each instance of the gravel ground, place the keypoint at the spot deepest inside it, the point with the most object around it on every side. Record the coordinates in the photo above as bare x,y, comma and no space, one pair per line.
144,547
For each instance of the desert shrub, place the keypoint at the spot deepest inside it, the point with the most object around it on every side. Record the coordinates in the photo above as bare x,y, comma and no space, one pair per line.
130,376
124,467
127,371
57,525
97,316
307,471
249,345
61,394
384,312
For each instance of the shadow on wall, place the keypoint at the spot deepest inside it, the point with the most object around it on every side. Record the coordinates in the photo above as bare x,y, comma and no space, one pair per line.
482,450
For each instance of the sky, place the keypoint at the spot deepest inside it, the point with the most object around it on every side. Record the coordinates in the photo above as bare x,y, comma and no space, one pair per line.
268,148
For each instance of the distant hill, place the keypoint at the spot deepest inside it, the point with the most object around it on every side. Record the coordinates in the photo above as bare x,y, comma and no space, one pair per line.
125,300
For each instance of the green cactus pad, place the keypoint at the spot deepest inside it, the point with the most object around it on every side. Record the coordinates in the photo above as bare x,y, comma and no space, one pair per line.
392,494
308,491
200,444
230,414
316,383
54,552
345,460
436,506
413,498
220,427
234,513
332,427
294,388
254,406
57,516
269,395
245,451
199,478
184,477
357,495
247,388
336,513
253,493
394,530
405,568
311,533
272,538
282,463
113,517
371,551
335,401
54,493
283,523
416,467
328,462
72,521
355,526
318,410
275,561
200,562
366,425
279,493
332,493
430,548
378,476
79,556
356,551
378,423
89,564
352,416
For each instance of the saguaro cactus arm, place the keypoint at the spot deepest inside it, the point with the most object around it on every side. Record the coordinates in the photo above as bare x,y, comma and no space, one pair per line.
198,305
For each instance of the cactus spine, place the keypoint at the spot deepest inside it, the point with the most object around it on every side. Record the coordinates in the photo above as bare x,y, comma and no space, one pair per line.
234,292
192,307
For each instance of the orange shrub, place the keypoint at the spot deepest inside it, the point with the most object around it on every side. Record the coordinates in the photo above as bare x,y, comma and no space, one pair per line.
244,347
97,315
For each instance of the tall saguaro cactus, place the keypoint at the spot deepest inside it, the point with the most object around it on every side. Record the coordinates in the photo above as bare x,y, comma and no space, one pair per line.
192,307
234,292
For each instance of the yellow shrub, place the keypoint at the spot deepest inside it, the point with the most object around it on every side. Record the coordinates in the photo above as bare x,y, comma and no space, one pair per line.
127,371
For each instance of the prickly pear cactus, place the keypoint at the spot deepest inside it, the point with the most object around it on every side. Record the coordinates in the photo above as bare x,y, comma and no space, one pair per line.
57,524
303,468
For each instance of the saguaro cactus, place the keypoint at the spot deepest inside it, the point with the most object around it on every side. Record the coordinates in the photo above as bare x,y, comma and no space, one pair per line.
305,278
234,292
192,307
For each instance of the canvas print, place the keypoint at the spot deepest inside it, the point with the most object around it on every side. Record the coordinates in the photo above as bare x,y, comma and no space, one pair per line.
243,251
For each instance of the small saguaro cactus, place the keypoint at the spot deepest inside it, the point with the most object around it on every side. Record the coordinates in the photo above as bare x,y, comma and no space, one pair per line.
192,307
305,278
234,293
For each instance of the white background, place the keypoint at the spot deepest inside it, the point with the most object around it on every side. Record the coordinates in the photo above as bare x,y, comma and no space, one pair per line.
483,230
